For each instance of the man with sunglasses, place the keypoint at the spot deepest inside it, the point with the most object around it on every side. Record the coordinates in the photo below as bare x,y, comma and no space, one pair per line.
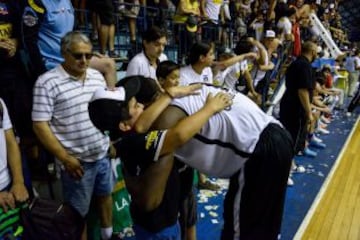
62,124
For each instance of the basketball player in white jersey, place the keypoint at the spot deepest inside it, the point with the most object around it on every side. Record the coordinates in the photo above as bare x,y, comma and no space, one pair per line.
247,146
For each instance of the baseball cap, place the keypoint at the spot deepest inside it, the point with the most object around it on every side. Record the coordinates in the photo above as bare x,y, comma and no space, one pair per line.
108,107
270,34
191,23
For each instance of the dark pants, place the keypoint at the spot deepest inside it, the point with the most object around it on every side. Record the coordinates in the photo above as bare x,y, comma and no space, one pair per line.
354,101
256,193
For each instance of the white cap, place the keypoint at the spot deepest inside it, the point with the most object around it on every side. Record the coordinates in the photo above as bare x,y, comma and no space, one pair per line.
117,94
270,33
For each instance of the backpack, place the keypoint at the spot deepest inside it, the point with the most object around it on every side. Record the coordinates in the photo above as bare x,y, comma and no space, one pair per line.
49,219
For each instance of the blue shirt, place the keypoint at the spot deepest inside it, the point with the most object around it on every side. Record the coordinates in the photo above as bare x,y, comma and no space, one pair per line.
58,21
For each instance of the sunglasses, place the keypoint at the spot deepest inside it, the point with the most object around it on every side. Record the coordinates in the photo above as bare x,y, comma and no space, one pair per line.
79,56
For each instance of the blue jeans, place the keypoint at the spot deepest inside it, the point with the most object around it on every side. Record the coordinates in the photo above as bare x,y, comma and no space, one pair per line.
97,180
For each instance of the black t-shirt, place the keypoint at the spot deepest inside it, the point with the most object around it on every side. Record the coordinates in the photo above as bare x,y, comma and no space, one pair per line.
9,28
299,75
137,152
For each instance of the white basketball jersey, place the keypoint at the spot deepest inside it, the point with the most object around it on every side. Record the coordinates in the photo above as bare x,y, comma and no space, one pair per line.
227,140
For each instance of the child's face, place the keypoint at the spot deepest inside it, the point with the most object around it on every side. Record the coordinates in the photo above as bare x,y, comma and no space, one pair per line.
172,79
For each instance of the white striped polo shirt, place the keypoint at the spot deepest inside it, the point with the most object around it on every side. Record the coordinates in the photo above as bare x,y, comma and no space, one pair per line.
63,101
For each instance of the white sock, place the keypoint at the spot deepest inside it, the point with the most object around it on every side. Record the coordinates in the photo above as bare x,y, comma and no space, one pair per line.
106,233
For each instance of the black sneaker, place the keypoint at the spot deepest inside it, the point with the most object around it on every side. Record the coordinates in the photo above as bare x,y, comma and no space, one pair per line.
113,54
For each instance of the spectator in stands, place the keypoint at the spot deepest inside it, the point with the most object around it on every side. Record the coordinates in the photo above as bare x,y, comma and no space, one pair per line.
168,74
226,59
15,85
210,11
355,101
105,11
225,29
44,24
352,65
295,107
285,23
145,63
329,86
130,9
257,25
151,177
238,77
259,70
200,58
186,19
12,188
62,124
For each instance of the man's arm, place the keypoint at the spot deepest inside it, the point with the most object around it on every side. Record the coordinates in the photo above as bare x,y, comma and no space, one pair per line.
238,58
18,188
186,128
106,66
305,102
249,82
148,189
152,112
52,144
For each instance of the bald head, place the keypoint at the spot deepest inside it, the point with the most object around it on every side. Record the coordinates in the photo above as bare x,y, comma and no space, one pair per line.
308,46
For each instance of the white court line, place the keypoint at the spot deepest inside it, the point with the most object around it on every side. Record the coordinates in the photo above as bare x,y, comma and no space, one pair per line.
324,187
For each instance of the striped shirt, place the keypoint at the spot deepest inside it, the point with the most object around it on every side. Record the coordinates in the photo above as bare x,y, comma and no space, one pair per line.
227,139
62,100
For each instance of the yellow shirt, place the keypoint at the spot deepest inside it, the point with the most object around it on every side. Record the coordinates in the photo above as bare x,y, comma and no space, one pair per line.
181,17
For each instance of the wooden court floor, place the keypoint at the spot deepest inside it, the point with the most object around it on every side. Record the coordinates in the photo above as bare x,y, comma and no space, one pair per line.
335,213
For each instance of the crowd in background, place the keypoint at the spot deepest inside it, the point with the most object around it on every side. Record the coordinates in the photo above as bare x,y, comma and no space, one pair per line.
245,46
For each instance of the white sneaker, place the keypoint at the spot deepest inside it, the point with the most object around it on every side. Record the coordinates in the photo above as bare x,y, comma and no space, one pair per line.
298,169
348,114
325,120
322,130
316,139
290,182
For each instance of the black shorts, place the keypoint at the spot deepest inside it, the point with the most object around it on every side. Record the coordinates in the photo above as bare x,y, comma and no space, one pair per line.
105,10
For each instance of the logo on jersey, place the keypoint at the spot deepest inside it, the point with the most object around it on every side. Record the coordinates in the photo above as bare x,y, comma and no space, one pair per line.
30,18
150,139
205,78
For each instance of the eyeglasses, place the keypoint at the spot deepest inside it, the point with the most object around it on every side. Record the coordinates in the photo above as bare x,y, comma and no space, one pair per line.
79,56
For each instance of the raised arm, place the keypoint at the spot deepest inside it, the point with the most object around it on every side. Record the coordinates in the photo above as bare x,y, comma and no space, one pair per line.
186,128
231,61
151,113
